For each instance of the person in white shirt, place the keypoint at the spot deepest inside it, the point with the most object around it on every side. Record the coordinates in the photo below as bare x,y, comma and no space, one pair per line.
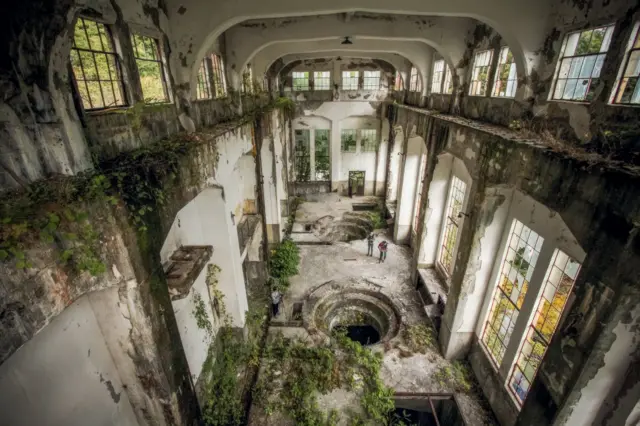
276,298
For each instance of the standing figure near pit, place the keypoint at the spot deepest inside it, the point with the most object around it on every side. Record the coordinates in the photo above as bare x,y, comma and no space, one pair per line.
276,297
370,239
383,251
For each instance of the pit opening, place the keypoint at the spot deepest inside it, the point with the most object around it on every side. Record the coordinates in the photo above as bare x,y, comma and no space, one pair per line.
363,334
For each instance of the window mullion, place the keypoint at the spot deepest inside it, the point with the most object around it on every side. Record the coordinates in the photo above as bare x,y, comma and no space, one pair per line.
527,310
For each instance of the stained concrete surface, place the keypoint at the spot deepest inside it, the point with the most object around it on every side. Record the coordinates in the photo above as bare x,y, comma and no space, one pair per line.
403,370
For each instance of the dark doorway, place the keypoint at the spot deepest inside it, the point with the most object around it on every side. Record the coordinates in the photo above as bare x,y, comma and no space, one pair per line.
363,334
356,183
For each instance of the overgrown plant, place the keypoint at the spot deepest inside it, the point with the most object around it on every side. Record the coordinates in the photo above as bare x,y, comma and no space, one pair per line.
284,261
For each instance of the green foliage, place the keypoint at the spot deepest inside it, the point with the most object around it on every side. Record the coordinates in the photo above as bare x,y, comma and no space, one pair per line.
286,105
200,314
457,375
294,374
420,338
284,260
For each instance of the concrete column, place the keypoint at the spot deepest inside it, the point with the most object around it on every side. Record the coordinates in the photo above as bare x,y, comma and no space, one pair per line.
269,191
395,163
312,154
381,158
407,191
336,154
279,146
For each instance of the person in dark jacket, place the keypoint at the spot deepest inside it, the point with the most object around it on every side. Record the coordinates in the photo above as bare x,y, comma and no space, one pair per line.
370,239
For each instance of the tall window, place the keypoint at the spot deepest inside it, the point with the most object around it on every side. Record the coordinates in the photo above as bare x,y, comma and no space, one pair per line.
95,66
398,84
247,79
457,189
219,79
506,80
300,80
371,80
322,159
628,89
369,140
480,73
416,210
302,160
322,80
350,80
520,258
557,285
448,81
415,85
151,68
348,140
436,79
203,89
581,60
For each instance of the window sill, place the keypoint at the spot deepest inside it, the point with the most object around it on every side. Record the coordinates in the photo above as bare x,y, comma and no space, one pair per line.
565,101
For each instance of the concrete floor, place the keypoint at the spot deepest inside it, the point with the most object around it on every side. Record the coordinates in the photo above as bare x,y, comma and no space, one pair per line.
403,372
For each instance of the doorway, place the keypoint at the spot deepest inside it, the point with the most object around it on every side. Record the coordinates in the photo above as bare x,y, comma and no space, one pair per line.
356,183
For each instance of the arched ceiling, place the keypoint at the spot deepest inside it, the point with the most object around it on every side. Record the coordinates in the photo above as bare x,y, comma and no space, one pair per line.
445,35
418,53
196,24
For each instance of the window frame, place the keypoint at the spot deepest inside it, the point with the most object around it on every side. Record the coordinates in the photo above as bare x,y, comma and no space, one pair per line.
508,81
447,84
419,188
317,78
454,174
316,156
159,52
375,143
307,78
369,79
439,73
204,81
353,132
633,40
298,157
415,81
120,80
398,82
247,80
218,75
561,58
350,78
473,73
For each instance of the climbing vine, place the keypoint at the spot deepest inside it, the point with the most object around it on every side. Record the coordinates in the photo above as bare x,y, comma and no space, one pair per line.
284,262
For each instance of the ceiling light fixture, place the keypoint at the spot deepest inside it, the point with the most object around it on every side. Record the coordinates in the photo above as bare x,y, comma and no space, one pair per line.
347,40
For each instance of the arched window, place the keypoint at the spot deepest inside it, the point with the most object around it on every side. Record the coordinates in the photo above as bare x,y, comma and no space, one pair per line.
415,83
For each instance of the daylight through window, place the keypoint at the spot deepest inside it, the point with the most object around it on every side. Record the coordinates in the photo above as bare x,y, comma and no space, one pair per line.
436,79
371,80
247,80
628,90
300,80
415,85
582,57
322,159
95,66
203,89
322,80
302,160
480,73
506,80
557,285
150,68
219,80
448,81
350,80
369,140
416,209
398,84
520,258
348,140
457,189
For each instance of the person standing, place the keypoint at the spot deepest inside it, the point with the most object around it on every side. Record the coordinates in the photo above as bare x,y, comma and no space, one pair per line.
370,239
383,251
276,298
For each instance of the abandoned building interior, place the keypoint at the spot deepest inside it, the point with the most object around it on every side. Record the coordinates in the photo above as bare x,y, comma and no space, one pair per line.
348,212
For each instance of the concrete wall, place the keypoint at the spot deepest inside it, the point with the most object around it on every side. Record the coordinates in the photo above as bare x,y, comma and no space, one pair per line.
565,194
66,374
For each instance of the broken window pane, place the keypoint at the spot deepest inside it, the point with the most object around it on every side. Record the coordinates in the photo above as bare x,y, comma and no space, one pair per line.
480,73
506,80
95,65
